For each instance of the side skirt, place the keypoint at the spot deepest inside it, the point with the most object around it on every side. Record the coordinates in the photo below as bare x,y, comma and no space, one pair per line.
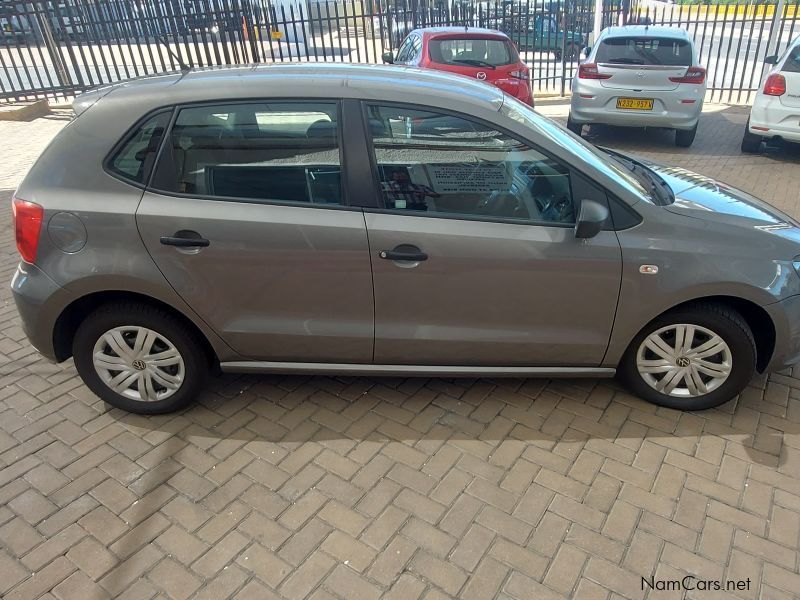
412,370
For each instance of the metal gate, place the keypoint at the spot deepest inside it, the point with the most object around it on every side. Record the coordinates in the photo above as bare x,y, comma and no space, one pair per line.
61,47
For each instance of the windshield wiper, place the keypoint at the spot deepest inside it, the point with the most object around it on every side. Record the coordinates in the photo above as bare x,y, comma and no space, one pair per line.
474,62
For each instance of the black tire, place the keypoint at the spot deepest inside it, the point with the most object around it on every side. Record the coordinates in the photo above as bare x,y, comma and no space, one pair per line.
574,127
196,363
751,143
724,322
685,137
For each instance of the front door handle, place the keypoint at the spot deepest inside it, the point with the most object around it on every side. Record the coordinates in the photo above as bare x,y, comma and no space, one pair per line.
404,252
185,239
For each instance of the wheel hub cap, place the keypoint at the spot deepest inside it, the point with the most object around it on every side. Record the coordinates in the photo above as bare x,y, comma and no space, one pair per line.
138,363
684,360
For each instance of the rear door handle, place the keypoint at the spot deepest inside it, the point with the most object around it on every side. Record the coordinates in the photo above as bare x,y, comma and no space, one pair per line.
185,239
405,252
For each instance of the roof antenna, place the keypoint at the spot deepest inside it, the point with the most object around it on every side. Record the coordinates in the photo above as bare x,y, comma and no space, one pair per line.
184,67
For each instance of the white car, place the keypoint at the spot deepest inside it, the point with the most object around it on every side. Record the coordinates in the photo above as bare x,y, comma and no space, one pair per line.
640,76
776,109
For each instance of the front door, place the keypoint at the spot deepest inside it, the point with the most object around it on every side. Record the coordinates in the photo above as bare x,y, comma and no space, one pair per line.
474,256
248,221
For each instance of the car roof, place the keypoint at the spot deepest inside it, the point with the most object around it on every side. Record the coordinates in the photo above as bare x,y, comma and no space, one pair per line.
646,31
434,32
299,81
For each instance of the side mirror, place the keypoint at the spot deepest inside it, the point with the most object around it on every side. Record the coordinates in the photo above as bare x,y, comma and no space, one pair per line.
591,219
587,51
388,57
771,60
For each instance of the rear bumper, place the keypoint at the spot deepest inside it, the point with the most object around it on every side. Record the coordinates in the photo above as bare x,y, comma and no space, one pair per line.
39,301
769,118
786,317
674,109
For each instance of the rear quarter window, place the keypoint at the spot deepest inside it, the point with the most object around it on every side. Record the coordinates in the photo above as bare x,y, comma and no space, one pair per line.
133,159
636,50
792,64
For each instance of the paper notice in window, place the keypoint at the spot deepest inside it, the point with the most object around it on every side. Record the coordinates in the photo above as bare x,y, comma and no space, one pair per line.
468,178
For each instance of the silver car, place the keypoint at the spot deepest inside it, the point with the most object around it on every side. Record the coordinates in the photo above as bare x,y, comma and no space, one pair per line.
355,219
640,76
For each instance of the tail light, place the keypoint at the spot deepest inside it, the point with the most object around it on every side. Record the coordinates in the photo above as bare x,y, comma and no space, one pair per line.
696,75
520,74
27,225
590,71
775,85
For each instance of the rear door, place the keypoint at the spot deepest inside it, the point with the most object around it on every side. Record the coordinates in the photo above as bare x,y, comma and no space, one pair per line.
643,63
247,218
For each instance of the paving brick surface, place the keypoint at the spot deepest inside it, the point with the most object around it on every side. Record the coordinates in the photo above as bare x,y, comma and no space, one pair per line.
292,487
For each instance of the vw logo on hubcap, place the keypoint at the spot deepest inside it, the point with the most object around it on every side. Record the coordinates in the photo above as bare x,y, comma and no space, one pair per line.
481,75
139,364
682,361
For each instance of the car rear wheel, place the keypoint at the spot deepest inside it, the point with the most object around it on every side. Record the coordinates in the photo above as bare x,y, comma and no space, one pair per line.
751,143
685,137
139,358
574,127
692,358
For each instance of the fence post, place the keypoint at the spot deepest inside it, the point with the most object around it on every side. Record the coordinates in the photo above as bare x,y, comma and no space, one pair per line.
598,19
777,24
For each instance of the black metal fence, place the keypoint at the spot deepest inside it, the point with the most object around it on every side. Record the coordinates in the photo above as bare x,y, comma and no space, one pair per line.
61,47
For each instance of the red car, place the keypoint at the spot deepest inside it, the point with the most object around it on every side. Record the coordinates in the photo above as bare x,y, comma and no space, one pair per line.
483,54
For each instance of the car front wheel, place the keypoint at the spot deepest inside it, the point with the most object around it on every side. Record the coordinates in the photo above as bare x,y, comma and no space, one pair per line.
139,358
692,358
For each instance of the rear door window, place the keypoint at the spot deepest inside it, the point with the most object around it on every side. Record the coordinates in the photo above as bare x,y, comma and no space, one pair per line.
472,52
271,152
637,50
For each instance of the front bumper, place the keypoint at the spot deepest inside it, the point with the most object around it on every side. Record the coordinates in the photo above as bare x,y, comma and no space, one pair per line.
786,318
39,301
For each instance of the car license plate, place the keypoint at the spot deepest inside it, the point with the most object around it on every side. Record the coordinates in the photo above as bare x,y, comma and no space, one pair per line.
635,103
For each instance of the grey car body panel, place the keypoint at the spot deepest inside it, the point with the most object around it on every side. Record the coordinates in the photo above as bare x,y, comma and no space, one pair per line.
492,293
709,243
276,282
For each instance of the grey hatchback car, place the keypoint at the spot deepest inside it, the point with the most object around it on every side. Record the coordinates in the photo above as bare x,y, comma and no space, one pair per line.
347,219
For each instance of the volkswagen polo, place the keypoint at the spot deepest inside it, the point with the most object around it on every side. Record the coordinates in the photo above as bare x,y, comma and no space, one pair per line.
356,219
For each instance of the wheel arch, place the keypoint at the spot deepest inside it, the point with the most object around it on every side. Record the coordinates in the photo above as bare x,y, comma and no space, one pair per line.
74,313
759,321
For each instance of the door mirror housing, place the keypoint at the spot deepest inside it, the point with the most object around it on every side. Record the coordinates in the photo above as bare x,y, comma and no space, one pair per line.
388,57
771,60
587,51
591,219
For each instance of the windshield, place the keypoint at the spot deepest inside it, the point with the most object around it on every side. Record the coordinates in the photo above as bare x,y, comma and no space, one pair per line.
600,159
637,50
472,52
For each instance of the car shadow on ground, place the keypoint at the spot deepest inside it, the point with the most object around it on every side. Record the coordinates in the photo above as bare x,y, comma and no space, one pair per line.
276,414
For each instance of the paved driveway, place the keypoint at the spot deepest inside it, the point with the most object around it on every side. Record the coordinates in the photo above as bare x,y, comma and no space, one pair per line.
286,487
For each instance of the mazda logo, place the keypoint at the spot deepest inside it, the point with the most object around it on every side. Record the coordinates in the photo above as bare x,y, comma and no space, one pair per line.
481,75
